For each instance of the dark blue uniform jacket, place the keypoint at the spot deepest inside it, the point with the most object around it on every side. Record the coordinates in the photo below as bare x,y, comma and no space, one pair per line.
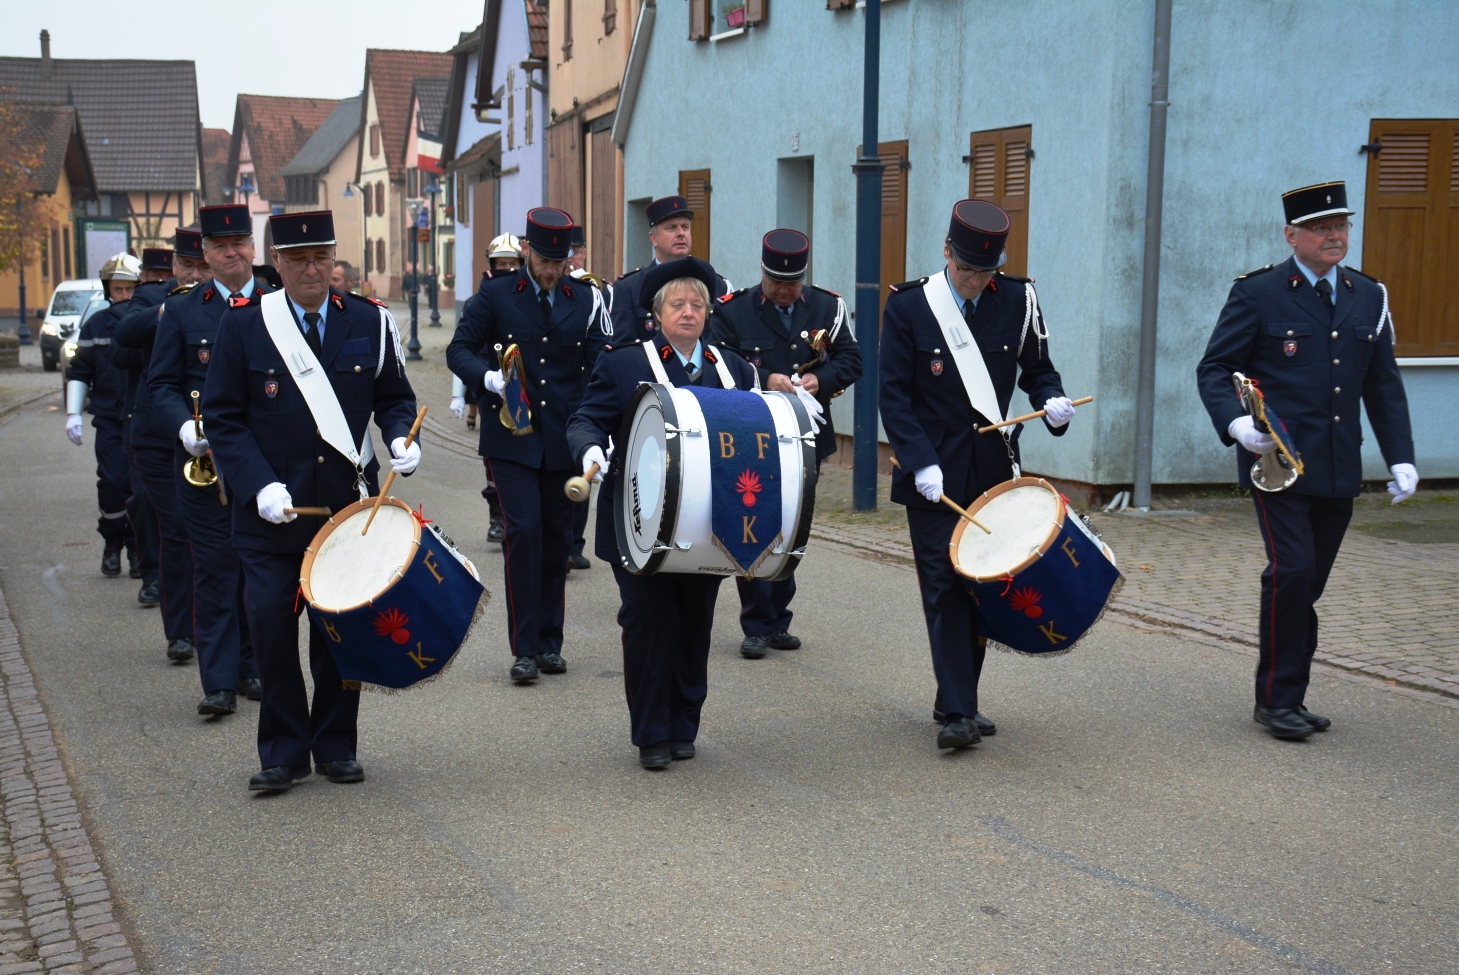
94,363
136,334
556,357
261,429
615,379
632,323
1313,366
924,405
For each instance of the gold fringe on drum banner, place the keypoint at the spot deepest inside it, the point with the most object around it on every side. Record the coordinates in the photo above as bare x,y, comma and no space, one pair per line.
749,572
365,687
1113,592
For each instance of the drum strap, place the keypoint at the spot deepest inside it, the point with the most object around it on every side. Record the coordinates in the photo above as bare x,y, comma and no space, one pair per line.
313,382
965,352
660,376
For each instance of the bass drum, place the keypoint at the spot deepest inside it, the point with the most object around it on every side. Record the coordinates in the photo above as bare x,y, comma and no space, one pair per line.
663,507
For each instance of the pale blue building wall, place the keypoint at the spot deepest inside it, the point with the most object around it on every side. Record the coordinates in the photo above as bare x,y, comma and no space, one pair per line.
1257,107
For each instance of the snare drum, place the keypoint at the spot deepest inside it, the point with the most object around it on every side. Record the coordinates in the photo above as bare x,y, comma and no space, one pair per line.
713,482
1041,579
394,605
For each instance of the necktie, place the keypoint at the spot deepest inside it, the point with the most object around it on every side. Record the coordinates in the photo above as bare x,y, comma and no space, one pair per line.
787,318
546,307
693,372
311,334
968,309
1324,291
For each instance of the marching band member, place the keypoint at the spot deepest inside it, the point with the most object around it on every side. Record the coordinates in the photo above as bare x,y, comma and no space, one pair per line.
670,223
187,335
776,325
293,382
548,318
1317,337
666,618
577,269
952,347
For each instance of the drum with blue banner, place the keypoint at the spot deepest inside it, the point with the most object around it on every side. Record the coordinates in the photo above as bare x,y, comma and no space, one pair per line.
714,482
394,604
1040,576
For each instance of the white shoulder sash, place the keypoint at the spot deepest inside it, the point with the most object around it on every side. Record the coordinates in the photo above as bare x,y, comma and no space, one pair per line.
725,379
312,380
660,376
965,352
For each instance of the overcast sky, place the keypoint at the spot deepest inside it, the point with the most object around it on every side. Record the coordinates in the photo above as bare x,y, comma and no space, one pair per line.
262,47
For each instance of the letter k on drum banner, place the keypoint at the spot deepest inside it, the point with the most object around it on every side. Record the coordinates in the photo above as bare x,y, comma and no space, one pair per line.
744,467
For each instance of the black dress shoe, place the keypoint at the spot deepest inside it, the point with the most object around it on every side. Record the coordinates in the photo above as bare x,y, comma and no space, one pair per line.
148,595
655,757
496,531
343,772
276,778
754,647
579,562
111,562
552,663
134,565
180,651
218,703
1315,720
985,727
1284,723
960,732
524,670
781,640
679,750
251,688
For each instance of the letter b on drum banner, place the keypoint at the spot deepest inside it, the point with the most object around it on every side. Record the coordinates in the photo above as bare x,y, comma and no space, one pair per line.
744,484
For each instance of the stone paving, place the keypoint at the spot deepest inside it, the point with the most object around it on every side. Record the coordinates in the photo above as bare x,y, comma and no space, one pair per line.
55,903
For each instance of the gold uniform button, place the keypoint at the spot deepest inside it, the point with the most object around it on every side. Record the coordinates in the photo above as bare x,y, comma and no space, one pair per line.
1337,389
1290,333
542,403
321,458
270,372
1337,419
357,368
541,382
1334,334
544,338
542,362
1337,362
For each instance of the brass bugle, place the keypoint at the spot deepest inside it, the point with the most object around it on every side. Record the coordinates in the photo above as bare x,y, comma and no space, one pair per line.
202,471
578,488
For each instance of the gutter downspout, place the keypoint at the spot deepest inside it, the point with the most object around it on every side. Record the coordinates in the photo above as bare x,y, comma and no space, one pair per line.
1150,297
633,72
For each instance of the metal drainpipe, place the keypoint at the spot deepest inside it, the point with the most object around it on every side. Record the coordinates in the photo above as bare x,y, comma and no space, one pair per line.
868,273
1150,298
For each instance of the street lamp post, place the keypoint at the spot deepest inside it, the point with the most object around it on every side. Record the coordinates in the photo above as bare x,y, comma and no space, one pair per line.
412,348
22,333
245,186
432,191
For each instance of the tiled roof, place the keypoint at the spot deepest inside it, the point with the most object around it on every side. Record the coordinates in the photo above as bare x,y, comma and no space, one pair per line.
215,165
56,132
537,29
277,128
432,93
328,141
140,117
392,75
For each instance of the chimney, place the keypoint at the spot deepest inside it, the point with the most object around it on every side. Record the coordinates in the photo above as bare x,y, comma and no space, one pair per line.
46,54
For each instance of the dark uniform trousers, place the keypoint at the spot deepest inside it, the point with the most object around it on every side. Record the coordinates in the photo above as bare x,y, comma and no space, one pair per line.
113,481
537,534
952,617
225,654
143,523
666,621
174,552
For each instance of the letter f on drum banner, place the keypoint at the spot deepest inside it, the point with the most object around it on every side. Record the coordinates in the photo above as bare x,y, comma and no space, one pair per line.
744,469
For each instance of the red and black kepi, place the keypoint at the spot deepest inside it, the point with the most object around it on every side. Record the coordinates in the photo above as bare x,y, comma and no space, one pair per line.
225,220
314,228
682,267
784,254
670,206
1320,200
156,259
549,231
977,234
579,236
188,242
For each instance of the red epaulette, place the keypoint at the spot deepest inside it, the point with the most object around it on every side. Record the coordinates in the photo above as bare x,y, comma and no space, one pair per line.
208,295
337,301
724,298
378,302
237,301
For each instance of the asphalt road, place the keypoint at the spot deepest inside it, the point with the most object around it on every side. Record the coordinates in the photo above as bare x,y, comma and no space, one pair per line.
1128,816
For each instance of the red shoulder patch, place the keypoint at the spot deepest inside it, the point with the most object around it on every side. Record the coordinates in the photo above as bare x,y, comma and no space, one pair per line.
237,301
993,285
337,301
709,354
522,284
567,289
664,352
208,295
724,298
377,301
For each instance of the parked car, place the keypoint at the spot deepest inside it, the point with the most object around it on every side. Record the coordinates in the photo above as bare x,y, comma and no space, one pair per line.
62,321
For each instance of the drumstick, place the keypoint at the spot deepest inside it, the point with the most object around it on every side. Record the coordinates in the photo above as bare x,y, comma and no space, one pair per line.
1030,416
309,512
577,488
954,506
409,439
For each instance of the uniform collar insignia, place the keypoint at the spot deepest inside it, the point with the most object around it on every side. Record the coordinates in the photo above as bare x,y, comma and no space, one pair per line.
993,285
1347,282
238,301
665,351
522,284
709,354
208,295
1294,282
337,301
567,289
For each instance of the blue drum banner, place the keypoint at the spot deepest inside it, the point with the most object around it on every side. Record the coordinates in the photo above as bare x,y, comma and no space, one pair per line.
516,412
744,469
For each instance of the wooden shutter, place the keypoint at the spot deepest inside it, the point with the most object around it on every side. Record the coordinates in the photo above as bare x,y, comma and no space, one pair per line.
567,30
610,18
483,203
565,167
756,11
998,171
374,141
844,5
462,197
895,165
698,19
603,211
695,188
380,201
1411,230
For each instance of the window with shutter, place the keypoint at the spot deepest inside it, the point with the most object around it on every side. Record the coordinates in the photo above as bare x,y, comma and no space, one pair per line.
567,30
998,171
895,165
843,5
699,19
1411,230
695,188
461,198
412,183
756,11
380,255
565,167
380,201
374,141
367,192
610,16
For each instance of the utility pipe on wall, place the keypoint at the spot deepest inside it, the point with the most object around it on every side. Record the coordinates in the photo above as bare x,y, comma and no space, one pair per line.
633,72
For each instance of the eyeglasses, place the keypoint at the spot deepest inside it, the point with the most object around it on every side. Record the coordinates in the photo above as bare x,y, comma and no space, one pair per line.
1326,229
324,263
964,269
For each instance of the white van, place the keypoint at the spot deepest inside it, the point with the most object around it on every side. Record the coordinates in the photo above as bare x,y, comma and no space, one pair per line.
63,317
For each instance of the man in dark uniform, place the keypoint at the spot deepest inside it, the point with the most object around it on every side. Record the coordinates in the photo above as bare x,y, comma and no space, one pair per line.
774,325
151,447
931,407
93,370
1316,337
549,317
577,269
267,440
666,617
187,334
669,231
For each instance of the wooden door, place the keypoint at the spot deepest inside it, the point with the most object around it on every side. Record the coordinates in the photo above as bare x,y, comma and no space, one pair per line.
695,188
998,171
603,210
565,167
1411,230
895,164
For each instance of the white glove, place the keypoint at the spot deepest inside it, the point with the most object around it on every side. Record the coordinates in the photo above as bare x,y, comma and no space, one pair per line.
403,459
929,482
591,456
191,442
458,406
1243,430
272,500
495,382
812,405
74,423
1404,483
1058,411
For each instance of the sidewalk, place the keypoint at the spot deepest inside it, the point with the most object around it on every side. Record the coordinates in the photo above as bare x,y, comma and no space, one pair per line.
1390,609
